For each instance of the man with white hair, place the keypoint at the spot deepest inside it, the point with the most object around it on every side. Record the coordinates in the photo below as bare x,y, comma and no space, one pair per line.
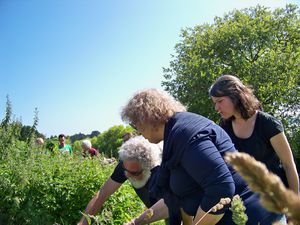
87,148
139,163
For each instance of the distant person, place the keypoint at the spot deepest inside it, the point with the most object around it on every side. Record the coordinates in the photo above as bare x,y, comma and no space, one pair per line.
63,147
39,141
139,163
87,149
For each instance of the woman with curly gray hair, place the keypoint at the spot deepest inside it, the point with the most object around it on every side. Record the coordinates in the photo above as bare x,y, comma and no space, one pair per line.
193,176
151,108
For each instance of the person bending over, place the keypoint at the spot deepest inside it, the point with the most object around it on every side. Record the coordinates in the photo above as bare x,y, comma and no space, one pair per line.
139,163
193,176
87,149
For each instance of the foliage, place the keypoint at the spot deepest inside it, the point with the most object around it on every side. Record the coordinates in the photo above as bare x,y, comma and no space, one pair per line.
10,132
295,143
39,186
119,209
238,211
28,133
76,146
76,137
109,141
81,136
260,46
48,189
8,113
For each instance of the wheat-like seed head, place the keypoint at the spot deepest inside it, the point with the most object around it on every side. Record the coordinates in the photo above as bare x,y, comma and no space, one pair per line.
274,195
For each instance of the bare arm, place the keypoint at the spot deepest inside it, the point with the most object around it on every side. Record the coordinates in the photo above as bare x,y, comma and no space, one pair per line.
98,200
281,146
157,212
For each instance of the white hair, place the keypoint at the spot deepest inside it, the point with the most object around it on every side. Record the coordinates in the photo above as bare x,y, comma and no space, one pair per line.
140,149
140,183
86,143
39,141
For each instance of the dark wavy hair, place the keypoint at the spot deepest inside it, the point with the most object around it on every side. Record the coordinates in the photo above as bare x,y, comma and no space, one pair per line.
241,95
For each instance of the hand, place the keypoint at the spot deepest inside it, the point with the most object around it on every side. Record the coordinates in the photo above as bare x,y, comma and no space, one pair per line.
220,205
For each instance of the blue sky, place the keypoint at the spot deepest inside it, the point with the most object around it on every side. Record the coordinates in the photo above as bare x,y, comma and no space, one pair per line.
79,61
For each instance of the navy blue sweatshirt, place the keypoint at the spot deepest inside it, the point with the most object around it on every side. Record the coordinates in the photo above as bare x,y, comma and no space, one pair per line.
194,174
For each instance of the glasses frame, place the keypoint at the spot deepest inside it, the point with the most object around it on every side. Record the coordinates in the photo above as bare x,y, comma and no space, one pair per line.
133,173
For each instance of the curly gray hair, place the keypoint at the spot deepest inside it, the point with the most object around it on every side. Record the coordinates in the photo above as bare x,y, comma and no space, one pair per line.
140,149
151,106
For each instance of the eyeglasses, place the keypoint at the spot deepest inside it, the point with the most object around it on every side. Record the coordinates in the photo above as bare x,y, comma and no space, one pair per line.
133,173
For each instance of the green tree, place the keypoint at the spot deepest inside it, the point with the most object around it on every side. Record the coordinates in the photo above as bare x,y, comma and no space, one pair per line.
109,141
260,46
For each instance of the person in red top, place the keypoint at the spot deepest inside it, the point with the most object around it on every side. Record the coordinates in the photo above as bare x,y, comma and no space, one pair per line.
87,149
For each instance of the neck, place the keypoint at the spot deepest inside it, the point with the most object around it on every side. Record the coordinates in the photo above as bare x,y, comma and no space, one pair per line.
239,119
160,132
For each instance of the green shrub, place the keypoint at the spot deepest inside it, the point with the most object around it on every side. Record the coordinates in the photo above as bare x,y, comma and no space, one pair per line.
47,189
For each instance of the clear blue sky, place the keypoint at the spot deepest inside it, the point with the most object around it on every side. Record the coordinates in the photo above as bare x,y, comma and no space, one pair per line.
78,61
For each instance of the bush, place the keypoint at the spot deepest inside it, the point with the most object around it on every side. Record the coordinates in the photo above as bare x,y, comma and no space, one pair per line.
38,186
47,189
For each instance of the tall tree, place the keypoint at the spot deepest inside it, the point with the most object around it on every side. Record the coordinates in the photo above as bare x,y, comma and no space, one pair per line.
260,46
109,141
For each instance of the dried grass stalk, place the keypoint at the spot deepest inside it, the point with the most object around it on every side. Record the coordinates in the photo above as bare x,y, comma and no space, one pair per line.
274,196
215,208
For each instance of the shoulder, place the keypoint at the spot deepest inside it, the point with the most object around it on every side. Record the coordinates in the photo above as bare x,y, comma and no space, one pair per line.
268,119
94,150
119,174
269,124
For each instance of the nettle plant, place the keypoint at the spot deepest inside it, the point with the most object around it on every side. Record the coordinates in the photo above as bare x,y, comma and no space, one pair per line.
49,189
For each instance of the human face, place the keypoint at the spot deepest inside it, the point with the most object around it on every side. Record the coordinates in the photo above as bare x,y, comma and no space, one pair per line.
62,140
154,134
142,182
133,169
224,106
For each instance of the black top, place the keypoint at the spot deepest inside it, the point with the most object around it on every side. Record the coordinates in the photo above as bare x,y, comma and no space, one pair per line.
258,144
143,192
